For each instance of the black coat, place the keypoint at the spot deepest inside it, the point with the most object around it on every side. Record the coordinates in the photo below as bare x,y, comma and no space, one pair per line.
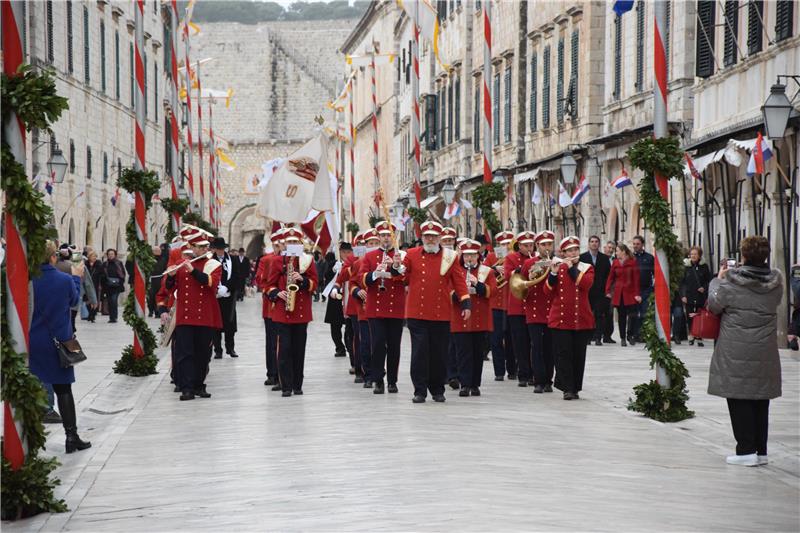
227,305
601,271
242,265
695,276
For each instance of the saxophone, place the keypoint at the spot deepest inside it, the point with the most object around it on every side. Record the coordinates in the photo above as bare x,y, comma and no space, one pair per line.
291,288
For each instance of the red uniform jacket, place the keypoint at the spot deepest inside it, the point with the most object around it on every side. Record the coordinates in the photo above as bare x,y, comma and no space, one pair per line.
430,279
351,303
481,317
262,272
624,279
570,307
537,303
514,260
499,298
197,294
355,286
276,282
387,303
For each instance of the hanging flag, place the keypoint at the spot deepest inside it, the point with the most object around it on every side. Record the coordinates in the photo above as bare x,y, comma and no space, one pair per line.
316,227
48,186
115,197
580,190
623,180
622,6
564,198
761,154
452,210
225,161
552,199
428,25
537,194
692,169
466,203
365,60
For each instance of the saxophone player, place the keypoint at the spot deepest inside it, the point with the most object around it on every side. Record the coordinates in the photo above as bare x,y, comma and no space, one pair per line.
537,309
262,274
503,358
291,324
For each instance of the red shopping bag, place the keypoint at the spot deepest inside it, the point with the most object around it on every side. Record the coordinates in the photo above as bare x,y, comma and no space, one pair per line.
705,325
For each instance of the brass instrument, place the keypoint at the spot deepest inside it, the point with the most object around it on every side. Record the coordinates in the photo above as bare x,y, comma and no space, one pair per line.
291,288
519,286
499,278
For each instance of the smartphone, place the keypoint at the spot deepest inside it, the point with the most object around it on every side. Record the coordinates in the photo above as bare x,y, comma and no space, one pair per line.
731,263
76,258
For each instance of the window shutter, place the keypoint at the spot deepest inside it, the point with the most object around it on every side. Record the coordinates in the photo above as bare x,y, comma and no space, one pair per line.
507,106
784,11
640,12
755,13
617,57
105,167
49,15
573,76
534,88
450,113
87,70
88,163
70,64
431,103
705,38
116,63
496,110
560,81
102,56
546,87
155,90
476,119
668,37
144,59
442,116
731,32
132,75
457,108
72,156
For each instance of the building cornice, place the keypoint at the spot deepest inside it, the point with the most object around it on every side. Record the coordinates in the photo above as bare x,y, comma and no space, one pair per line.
362,28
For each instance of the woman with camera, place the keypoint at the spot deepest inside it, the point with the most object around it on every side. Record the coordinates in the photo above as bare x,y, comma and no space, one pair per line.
54,292
745,367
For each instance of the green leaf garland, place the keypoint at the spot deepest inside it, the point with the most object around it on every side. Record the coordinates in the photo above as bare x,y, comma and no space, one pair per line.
484,196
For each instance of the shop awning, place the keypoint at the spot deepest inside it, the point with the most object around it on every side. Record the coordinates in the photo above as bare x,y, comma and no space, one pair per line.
732,153
427,202
532,174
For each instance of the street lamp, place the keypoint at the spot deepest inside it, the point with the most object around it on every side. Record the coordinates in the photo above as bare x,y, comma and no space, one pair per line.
449,192
397,209
568,168
57,165
499,178
776,111
412,201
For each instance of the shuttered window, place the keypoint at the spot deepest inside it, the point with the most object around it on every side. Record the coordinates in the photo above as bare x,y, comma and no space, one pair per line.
534,88
560,81
116,65
70,64
105,167
705,38
87,69
572,94
476,119
755,31
731,32
88,163
640,12
146,107
155,90
457,109
496,109
450,114
442,116
784,11
133,96
49,22
546,87
668,37
617,57
102,56
72,156
507,105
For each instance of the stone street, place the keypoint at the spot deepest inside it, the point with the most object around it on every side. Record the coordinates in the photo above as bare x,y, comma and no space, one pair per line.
341,458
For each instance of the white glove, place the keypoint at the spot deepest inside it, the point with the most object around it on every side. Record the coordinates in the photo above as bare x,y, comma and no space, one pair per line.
472,290
378,274
334,293
337,267
223,292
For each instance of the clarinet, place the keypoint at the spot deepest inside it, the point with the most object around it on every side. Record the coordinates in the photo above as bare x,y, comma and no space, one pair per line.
382,285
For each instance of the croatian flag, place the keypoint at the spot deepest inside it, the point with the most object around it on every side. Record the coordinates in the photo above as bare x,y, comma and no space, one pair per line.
580,190
761,154
692,169
622,180
622,6
115,198
453,210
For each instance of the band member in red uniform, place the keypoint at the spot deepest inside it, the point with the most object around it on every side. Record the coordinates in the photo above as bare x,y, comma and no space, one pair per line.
432,272
537,310
262,273
503,358
571,321
197,317
350,305
516,311
470,336
290,284
448,241
359,292
448,238
386,296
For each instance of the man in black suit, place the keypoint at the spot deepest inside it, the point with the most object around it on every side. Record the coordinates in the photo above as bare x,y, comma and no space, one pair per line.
597,294
243,266
226,298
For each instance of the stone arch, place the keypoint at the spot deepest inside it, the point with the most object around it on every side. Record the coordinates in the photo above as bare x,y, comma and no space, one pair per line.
255,247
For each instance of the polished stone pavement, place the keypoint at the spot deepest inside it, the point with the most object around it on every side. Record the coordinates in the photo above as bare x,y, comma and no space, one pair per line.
341,458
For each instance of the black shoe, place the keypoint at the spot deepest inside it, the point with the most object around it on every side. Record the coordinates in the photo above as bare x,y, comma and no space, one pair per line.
340,354
570,396
176,389
218,355
531,383
793,345
418,399
609,340
51,417
202,393
623,343
352,371
233,354
475,391
66,407
277,387
538,389
438,398
286,393
463,392
498,378
598,343
512,377
392,388
270,381
522,383
187,395
298,392
378,388
691,342
454,384
112,321
700,344
548,388
367,384
632,342
74,442
359,379
676,341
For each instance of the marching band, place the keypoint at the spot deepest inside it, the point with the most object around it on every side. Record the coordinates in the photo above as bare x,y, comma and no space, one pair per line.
459,298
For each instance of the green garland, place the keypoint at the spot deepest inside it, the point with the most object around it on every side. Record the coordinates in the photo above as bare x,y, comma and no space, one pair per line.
374,220
418,215
140,252
483,197
29,489
660,156
352,229
174,207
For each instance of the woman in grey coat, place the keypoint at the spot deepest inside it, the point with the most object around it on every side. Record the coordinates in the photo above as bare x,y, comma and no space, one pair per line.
745,367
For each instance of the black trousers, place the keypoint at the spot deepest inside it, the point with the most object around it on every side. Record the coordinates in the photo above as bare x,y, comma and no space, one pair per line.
626,316
291,354
750,421
227,308
541,349
192,355
469,349
365,349
271,348
336,337
601,307
385,335
502,351
355,347
429,340
570,358
608,328
522,346
348,337
452,360
113,304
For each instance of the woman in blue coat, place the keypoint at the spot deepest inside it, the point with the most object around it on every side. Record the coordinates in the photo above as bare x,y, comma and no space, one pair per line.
54,293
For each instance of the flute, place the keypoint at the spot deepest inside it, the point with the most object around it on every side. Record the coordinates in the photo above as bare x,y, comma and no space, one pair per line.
178,267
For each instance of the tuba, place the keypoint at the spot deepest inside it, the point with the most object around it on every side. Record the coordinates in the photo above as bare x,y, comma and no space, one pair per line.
291,288
519,286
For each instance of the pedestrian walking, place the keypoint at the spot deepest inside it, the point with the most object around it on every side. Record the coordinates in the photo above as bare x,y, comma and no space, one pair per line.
646,264
161,254
601,305
610,250
113,283
622,288
94,269
745,367
694,287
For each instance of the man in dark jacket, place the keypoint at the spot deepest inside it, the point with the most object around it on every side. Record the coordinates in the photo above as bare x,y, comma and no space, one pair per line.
226,298
647,265
242,263
597,294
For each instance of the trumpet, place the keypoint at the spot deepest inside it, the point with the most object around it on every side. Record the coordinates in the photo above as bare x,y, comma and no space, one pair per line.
291,288
499,278
519,285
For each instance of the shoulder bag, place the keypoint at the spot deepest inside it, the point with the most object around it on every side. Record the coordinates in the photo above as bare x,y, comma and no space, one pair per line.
705,324
70,352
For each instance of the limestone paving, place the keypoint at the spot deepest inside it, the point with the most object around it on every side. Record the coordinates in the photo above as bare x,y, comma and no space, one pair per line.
341,458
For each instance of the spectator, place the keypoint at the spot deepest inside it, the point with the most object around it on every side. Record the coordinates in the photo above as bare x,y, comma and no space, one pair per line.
94,270
54,293
622,288
242,263
694,287
68,255
319,262
161,254
646,263
597,294
113,283
794,326
610,249
746,368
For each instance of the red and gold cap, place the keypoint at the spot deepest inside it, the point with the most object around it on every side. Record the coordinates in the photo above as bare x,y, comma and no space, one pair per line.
198,239
526,237
504,237
448,233
569,242
545,236
429,227
468,246
370,234
385,227
277,235
293,234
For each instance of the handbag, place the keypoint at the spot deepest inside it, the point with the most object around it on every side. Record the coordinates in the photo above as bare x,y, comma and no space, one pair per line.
705,324
113,282
70,352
